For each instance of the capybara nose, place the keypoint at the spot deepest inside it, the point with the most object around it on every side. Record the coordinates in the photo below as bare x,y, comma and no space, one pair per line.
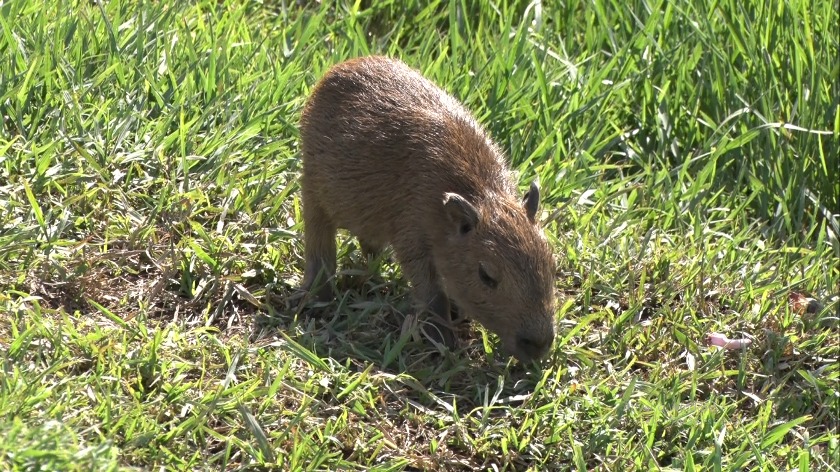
530,347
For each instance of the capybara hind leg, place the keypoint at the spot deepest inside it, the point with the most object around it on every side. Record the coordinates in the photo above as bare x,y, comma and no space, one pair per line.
319,249
369,249
418,267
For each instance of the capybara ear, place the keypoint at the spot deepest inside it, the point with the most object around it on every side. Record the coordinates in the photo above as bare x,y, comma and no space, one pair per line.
462,214
531,202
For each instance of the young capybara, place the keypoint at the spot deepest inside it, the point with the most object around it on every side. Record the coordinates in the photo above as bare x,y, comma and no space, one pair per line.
397,161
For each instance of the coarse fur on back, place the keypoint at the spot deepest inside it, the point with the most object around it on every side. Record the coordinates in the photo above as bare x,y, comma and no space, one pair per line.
397,161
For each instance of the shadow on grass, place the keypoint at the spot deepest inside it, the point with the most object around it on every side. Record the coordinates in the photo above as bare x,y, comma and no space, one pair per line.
371,324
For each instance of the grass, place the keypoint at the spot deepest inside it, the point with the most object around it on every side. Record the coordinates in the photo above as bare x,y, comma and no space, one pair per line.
150,237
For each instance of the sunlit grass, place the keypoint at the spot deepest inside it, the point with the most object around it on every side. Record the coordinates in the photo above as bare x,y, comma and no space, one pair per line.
150,237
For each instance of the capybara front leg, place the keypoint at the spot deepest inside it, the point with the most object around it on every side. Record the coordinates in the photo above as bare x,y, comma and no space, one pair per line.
417,265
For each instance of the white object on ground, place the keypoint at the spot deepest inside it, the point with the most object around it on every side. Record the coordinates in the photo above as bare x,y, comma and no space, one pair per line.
720,340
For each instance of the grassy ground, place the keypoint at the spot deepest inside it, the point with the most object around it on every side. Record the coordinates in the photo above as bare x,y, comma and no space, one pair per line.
150,237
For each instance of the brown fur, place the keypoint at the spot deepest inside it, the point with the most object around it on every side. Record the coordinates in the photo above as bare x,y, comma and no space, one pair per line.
395,160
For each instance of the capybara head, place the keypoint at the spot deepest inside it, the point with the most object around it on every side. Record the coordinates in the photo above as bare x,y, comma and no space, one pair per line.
499,269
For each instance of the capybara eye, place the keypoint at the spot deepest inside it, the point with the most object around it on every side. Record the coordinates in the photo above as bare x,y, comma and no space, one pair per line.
485,278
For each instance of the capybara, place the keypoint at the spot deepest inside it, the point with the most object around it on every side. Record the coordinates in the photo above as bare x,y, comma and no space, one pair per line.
395,160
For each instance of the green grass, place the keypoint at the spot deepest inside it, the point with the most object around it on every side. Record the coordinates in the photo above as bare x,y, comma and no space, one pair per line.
150,236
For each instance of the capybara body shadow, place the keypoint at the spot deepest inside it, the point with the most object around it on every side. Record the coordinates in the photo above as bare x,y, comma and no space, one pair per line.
395,160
